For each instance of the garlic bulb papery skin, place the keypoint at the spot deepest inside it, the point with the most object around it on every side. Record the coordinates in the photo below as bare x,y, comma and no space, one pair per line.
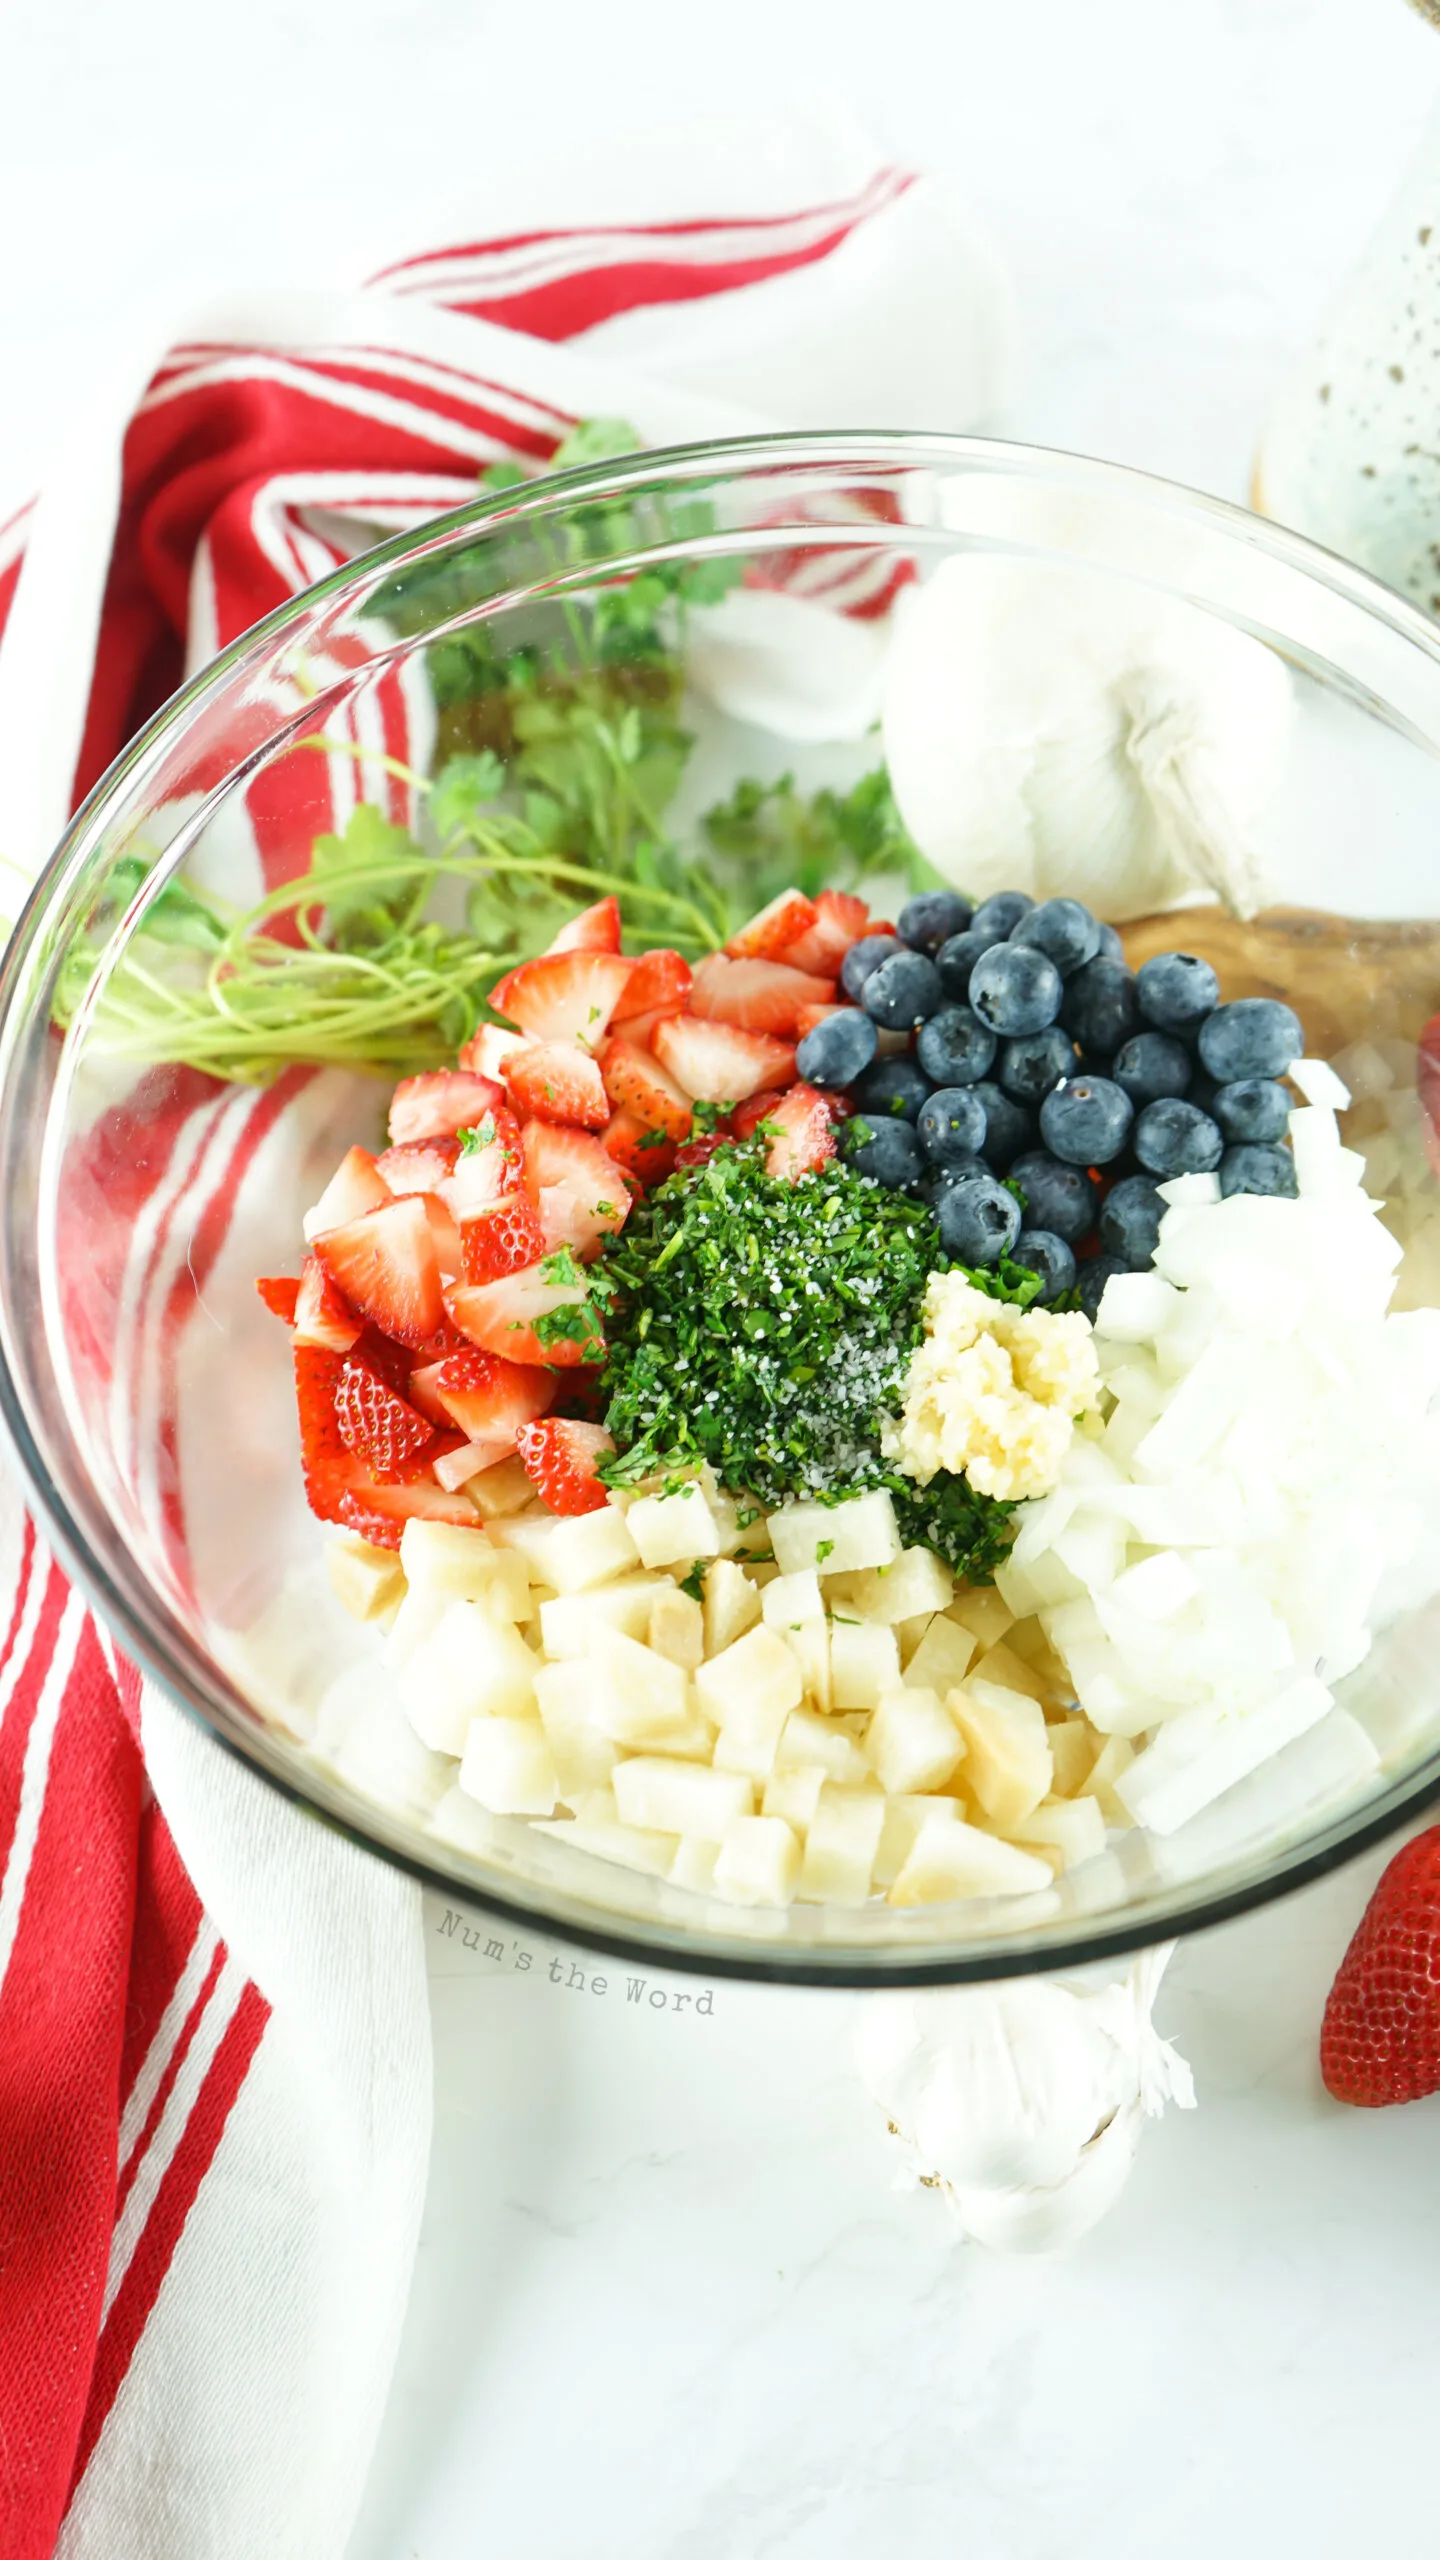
1023,2101
1051,728
780,663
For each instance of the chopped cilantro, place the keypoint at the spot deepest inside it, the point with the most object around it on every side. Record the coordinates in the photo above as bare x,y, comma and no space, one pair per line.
472,1140
824,1547
694,1580
652,1138
765,1327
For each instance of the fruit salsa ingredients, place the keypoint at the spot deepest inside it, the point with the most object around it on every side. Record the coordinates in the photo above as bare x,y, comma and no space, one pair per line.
993,1392
1214,1557
766,1331
1380,2041
1053,725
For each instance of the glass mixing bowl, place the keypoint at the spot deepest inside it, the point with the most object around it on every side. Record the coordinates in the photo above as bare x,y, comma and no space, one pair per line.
149,1393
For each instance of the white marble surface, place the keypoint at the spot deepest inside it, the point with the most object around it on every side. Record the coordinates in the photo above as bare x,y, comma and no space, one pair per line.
668,2307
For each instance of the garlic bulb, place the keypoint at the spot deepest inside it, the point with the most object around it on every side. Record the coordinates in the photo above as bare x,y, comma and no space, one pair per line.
1052,728
1023,2101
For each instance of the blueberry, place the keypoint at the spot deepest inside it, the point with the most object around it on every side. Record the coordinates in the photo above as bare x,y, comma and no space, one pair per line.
893,1089
862,958
1253,1111
952,1125
1039,1250
1177,1137
932,918
955,1046
1092,1280
1008,1128
1086,1121
1111,946
838,1049
1058,1197
1268,1170
1130,1222
997,917
888,1151
1255,1037
903,992
941,1178
1100,1008
979,1221
1176,990
1015,989
1153,1067
955,959
1032,1067
1065,931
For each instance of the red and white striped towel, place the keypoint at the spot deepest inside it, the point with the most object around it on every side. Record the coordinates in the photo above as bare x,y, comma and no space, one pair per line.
214,2039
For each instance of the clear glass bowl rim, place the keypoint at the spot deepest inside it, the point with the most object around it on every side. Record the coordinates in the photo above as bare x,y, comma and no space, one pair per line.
133,1612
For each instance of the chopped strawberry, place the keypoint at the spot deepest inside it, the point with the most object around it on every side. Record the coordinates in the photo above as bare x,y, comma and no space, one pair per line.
659,983
353,1187
810,1015
490,1166
323,1315
421,1164
758,995
438,1105
486,1397
560,1458
280,1297
718,1063
637,1084
700,1150
376,1423
748,1115
387,1266
803,1133
440,1344
388,1361
784,920
444,1234
378,1512
329,1468
646,1155
571,1179
565,996
596,928
638,1030
1380,2042
552,1080
487,1049
839,920
508,1236
502,1316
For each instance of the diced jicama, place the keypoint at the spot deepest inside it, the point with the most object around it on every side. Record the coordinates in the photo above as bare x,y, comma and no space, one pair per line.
1074,1827
758,1670
864,1663
916,1584
731,1604
841,1537
942,1657
673,1795
759,1862
584,1757
567,1627
1008,1767
1073,1751
694,1865
749,1735
841,1843
500,1491
367,1581
810,1741
470,1665
810,1644
790,1599
640,1698
677,1628
507,1766
982,1611
1008,1670
572,1555
436,1557
954,1862
674,1528
913,1743
793,1794
905,1819
1112,1760
601,1833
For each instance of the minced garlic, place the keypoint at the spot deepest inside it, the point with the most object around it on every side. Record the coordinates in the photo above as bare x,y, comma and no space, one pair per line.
993,1392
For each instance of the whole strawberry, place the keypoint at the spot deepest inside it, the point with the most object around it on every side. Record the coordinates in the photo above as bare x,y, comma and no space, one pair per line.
1380,2041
